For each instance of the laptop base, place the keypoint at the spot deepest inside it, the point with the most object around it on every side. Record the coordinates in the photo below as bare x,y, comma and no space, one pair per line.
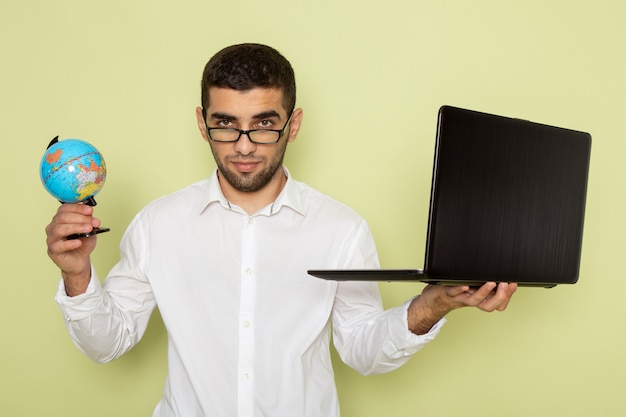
404,275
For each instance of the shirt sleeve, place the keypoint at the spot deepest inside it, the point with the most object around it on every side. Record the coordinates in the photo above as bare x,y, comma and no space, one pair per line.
109,319
368,338
403,343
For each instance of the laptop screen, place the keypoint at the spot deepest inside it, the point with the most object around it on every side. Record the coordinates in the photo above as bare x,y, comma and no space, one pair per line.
508,199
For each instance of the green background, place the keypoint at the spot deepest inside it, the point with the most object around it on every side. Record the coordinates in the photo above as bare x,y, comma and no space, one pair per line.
125,76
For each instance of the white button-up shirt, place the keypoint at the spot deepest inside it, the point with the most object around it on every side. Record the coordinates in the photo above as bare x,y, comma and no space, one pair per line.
248,328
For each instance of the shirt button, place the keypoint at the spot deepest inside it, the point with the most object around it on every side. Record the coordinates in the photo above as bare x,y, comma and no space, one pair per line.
246,376
248,271
246,324
250,220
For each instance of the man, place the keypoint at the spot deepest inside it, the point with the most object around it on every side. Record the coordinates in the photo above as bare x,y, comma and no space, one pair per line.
225,261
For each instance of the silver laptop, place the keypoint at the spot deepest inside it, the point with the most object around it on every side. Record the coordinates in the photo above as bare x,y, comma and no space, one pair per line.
507,204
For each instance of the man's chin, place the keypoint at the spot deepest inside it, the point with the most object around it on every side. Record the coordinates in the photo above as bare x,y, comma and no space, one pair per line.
245,182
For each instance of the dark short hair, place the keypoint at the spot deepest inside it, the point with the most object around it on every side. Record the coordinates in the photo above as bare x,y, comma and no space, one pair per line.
247,66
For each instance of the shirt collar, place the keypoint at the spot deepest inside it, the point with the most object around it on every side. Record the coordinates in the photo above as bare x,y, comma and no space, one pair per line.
288,197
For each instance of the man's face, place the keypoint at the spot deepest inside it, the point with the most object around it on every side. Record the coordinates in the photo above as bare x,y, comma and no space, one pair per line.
248,166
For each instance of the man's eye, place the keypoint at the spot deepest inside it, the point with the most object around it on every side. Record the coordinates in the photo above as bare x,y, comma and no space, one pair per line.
224,123
265,124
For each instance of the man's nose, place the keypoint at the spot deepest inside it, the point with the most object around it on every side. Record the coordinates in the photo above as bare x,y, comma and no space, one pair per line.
244,145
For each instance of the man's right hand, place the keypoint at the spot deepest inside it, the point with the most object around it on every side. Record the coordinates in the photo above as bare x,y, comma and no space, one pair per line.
72,256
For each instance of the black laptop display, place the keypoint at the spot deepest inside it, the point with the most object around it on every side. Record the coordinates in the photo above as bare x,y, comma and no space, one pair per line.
507,204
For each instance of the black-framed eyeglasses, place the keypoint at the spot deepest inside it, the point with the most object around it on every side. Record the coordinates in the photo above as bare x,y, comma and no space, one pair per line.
263,136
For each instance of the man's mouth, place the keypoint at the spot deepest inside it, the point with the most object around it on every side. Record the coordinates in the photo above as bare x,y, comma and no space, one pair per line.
245,166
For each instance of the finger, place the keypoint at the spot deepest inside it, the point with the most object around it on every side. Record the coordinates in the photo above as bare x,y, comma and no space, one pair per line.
60,247
83,209
70,219
59,231
482,294
512,287
497,300
457,290
68,213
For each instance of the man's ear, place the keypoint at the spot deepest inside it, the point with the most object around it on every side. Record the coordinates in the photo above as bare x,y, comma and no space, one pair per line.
201,123
295,123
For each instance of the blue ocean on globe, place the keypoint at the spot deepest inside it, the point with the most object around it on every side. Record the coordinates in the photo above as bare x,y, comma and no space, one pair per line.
72,170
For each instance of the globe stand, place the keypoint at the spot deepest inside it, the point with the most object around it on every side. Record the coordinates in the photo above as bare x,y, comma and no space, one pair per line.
90,201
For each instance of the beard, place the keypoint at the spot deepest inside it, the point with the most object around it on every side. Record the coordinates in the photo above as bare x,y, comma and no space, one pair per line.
251,182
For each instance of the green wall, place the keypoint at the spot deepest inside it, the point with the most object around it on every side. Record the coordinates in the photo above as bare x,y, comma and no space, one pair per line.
125,76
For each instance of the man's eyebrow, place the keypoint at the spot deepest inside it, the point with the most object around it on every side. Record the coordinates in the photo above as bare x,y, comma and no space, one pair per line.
222,116
263,115
267,114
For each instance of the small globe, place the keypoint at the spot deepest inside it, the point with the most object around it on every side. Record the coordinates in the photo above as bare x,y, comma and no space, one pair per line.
73,171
